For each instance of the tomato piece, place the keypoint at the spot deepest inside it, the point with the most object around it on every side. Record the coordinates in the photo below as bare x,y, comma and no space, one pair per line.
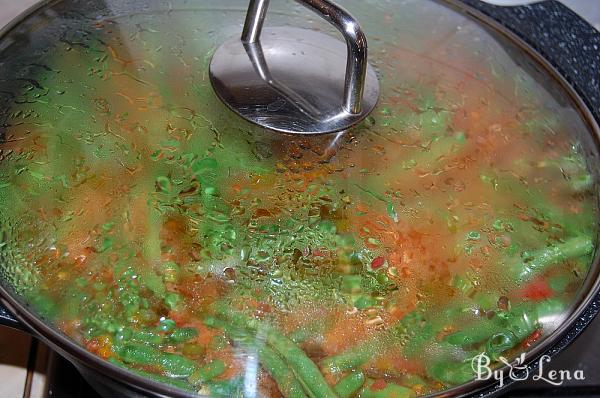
532,338
538,290
377,262
378,385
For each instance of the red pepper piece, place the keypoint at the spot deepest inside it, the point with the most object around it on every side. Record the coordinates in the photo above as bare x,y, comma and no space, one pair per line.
537,290
377,262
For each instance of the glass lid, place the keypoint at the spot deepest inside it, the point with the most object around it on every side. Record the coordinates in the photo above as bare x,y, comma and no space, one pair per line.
153,226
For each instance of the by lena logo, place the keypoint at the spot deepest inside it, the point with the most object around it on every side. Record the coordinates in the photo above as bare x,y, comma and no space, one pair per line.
518,371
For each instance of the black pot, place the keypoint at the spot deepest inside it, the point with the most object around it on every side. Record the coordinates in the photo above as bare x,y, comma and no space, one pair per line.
562,44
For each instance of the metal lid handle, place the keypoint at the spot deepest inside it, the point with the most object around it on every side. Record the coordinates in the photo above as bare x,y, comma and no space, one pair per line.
289,79
356,42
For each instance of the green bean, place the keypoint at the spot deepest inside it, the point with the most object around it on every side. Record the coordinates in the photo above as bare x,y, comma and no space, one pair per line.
308,373
144,336
288,385
154,336
170,271
207,372
352,357
225,388
301,334
476,333
151,243
172,299
308,331
506,329
166,325
421,337
351,284
138,354
486,301
172,364
569,223
423,333
153,282
176,365
537,261
582,183
45,306
450,372
559,283
305,369
522,320
152,376
572,166
364,351
412,326
390,390
281,373
181,335
500,342
412,380
349,385
462,283
193,350
363,301
519,323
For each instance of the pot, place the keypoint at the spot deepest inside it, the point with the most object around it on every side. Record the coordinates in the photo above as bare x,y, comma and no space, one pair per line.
558,50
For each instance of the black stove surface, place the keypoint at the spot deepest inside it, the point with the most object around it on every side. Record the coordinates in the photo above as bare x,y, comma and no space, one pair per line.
64,381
